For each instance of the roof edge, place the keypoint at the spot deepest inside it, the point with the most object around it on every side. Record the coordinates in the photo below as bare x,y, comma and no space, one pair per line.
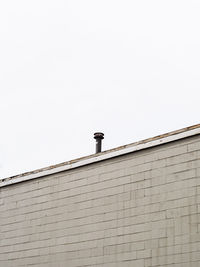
119,151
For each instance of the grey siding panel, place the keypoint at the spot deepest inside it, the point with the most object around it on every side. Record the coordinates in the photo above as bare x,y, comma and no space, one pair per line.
140,209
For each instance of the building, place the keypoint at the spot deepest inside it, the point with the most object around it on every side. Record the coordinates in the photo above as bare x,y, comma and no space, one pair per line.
136,205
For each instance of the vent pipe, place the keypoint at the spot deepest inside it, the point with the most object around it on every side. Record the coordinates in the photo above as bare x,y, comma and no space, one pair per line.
98,137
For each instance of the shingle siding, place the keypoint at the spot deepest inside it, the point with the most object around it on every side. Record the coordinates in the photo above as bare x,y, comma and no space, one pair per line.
140,209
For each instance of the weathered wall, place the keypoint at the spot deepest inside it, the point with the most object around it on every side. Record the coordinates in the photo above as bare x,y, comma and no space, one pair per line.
140,209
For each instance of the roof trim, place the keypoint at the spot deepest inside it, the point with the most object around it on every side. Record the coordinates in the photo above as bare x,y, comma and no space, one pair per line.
147,143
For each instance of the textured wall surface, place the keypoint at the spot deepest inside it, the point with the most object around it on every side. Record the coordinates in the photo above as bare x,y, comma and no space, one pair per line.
139,210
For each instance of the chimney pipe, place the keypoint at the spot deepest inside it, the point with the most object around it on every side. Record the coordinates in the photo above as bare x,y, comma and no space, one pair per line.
98,137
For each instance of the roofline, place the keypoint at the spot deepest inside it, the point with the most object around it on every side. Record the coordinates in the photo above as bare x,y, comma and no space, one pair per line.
119,151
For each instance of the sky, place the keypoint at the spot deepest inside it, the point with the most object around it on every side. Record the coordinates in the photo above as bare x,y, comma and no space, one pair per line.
69,68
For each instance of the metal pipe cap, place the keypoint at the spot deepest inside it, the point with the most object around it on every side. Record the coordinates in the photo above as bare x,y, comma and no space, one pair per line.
98,135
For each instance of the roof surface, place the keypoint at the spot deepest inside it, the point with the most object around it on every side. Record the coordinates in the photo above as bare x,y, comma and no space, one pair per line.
122,150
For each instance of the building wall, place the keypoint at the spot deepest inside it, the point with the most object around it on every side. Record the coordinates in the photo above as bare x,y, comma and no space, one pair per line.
140,209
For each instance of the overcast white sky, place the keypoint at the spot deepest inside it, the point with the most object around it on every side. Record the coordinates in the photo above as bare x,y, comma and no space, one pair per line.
129,68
